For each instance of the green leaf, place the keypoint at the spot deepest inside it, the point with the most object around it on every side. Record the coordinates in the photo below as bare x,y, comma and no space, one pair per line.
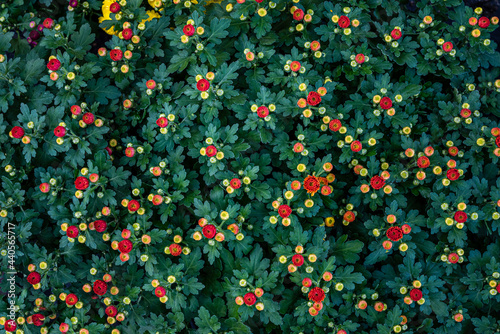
206,323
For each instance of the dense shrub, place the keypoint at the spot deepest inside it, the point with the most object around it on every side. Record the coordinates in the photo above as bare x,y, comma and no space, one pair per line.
249,167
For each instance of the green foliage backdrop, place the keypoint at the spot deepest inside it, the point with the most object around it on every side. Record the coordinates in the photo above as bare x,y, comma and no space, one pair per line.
249,167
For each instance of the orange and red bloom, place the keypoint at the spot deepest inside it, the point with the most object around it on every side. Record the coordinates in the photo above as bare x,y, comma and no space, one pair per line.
317,295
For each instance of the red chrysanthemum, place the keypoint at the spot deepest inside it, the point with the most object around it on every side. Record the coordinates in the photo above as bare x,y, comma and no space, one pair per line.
415,294
72,231
17,132
335,125
453,257
162,122
60,131
130,152
423,162
317,295
262,111
188,30
447,47
209,231
10,325
311,184
394,233
385,103
125,246
111,311
297,260
396,34
356,146
344,21
81,183
203,85
284,211
38,319
250,298
211,151
88,118
48,23
34,278
484,22
349,216
313,98
307,282
360,58
100,225
460,217
114,7
127,33
71,299
116,54
175,249
133,205
54,64
377,182
160,291
295,66
497,141
100,287
298,14
452,174
235,183
465,112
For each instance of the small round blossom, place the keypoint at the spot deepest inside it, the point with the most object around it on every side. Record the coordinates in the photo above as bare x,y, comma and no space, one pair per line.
298,260
313,98
344,21
34,278
203,85
81,183
125,246
385,103
360,58
17,132
54,64
116,54
211,151
188,30
484,22
396,34
235,183
284,211
249,298
452,174
377,182
60,131
175,249
447,47
311,184
415,294
394,233
100,287
262,111
460,217
423,162
209,231
316,294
